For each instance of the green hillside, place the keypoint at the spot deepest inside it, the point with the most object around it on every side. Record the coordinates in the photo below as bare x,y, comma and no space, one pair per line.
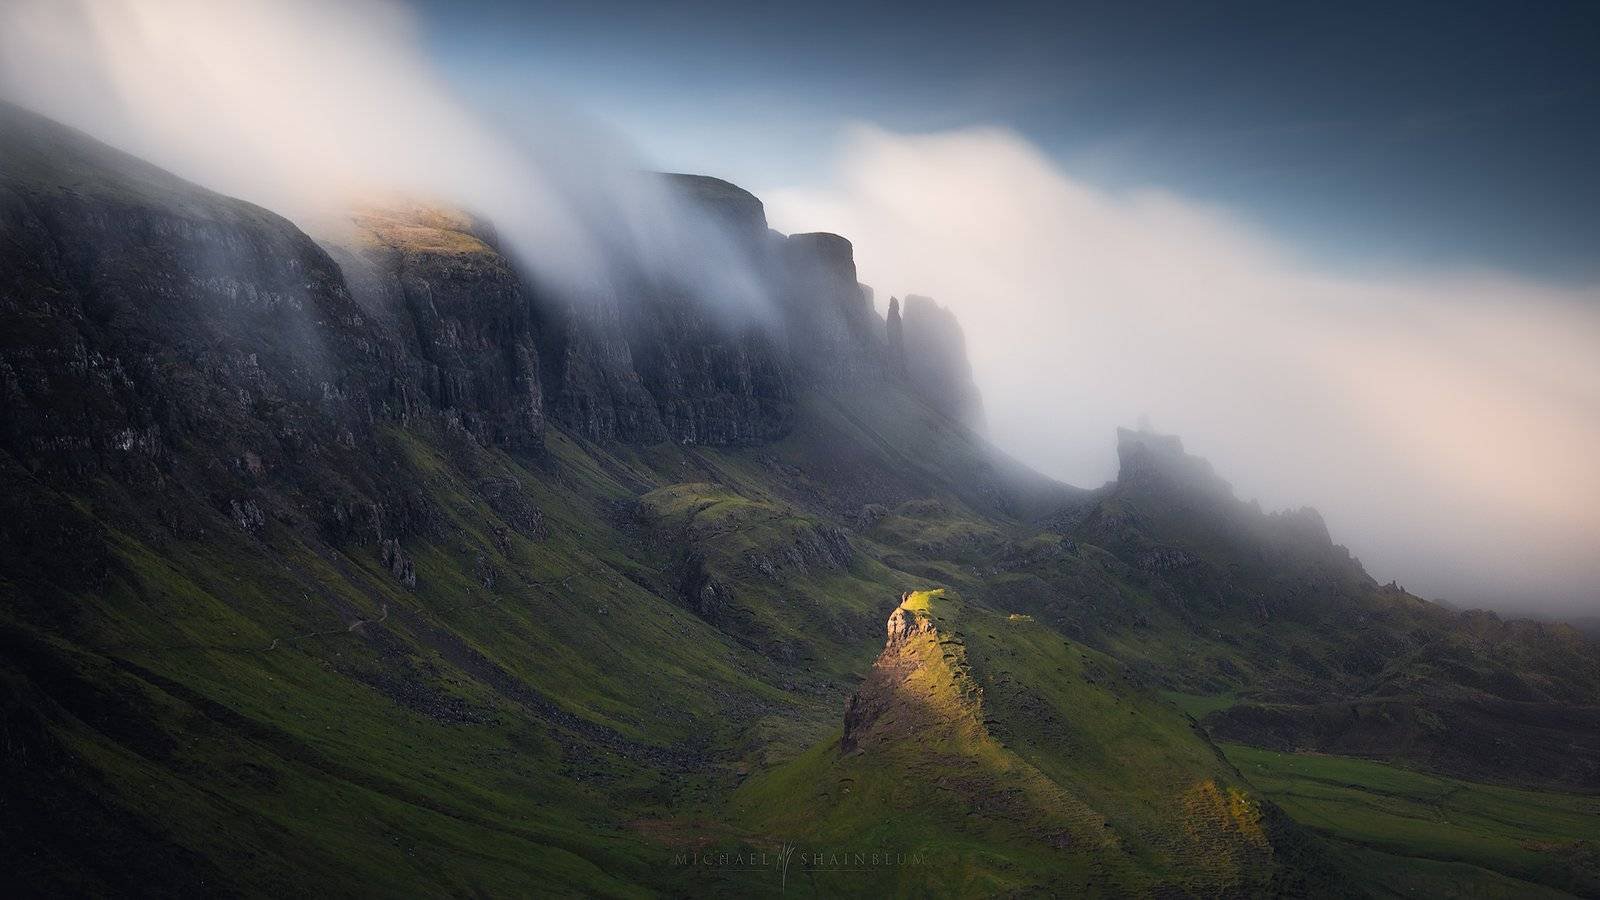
373,571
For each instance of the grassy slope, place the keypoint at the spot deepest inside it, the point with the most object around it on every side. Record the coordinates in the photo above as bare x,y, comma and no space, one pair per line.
1453,833
218,712
1014,760
221,693
233,712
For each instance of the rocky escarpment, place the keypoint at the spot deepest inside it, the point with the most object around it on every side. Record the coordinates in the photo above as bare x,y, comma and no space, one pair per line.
480,344
155,331
433,278
935,352
1171,518
140,311
646,358
718,376
660,359
123,280
832,330
183,345
1152,462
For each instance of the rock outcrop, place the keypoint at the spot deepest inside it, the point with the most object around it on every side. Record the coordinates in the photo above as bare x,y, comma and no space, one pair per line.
918,687
1157,462
936,361
895,330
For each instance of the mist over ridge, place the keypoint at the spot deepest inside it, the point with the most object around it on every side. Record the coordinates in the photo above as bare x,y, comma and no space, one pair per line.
1445,423
311,109
420,476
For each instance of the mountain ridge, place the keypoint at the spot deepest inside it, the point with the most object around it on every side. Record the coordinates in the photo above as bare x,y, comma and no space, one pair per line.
366,564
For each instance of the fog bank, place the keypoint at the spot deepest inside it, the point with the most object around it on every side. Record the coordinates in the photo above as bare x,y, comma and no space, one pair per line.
1447,425
308,107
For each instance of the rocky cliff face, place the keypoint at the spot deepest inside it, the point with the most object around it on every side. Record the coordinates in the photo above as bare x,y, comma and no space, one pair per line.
833,333
199,365
162,334
434,281
936,361
142,314
715,378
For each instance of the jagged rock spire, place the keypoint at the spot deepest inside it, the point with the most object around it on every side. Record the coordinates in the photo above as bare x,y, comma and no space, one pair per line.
897,338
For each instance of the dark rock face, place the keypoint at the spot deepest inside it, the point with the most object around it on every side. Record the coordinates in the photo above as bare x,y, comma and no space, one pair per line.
592,383
834,335
700,588
659,362
206,354
936,361
139,313
713,382
155,309
637,361
433,277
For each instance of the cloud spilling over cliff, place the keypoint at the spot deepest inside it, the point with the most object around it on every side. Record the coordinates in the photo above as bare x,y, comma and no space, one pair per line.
1447,424
306,107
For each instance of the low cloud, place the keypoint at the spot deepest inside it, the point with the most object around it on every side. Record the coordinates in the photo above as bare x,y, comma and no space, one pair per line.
306,107
1446,424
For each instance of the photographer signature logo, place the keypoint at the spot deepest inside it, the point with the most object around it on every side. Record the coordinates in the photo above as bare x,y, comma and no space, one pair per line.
790,858
785,852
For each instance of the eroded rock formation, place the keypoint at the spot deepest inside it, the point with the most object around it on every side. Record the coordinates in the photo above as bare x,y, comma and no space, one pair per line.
936,361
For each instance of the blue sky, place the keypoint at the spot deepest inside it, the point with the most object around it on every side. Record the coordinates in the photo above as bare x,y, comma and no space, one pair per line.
1370,138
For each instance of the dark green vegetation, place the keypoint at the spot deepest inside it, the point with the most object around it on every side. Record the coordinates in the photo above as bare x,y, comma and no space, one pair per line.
1424,834
364,568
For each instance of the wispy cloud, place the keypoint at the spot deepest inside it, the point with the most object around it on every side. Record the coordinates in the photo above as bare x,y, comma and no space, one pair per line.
306,107
1447,425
